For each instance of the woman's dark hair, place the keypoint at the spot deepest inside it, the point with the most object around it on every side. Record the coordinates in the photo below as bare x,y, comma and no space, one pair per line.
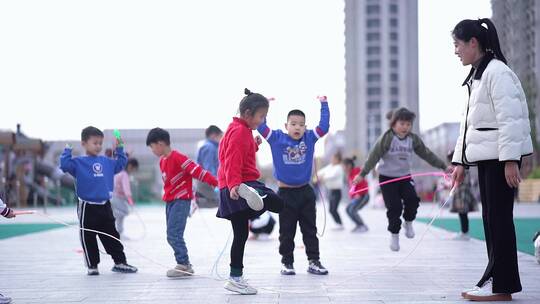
349,161
487,36
402,114
252,102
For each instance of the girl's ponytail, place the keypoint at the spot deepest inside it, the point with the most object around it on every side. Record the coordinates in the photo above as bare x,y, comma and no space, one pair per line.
492,40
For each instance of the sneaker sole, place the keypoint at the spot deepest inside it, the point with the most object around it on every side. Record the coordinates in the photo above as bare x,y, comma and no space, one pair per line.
317,272
287,273
251,196
464,293
233,288
123,271
493,298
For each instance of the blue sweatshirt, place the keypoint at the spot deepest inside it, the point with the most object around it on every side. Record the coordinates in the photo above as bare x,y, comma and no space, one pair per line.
293,159
208,156
94,175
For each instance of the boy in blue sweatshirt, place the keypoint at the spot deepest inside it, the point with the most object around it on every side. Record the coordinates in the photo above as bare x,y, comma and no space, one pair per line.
94,179
292,154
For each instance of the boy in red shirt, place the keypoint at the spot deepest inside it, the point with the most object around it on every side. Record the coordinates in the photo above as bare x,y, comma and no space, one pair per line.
177,172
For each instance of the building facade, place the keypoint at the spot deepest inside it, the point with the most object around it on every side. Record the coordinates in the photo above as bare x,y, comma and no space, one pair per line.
381,54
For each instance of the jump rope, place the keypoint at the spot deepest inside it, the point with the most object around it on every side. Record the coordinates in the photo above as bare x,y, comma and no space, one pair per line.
214,275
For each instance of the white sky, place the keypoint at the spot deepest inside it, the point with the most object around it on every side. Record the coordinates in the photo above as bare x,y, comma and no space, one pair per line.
140,64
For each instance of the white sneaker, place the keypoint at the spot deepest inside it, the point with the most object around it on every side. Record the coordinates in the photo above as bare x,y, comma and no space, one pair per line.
465,291
460,236
180,271
252,197
485,293
239,285
409,231
394,242
4,299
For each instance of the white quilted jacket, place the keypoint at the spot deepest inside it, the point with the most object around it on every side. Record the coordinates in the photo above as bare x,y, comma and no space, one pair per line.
496,119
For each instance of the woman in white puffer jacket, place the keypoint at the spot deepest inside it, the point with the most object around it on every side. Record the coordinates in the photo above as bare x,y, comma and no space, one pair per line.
494,135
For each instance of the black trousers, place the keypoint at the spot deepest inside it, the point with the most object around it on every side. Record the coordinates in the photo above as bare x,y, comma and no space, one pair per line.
299,208
399,197
464,221
99,218
240,225
497,214
335,198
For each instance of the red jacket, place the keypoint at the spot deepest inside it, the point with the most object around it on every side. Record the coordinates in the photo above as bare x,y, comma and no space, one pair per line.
178,171
237,155
362,185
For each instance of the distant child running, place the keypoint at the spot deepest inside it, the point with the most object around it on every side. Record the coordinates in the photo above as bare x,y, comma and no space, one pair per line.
242,197
122,197
333,178
359,194
463,202
94,178
177,171
395,148
292,155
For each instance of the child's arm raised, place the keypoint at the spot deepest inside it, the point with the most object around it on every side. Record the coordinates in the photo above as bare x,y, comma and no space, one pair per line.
268,134
324,121
121,160
67,164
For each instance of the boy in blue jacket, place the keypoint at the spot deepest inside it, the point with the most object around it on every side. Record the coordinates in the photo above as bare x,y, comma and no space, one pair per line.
292,155
94,179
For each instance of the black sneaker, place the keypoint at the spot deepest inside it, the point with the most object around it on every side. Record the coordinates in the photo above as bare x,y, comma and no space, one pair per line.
92,271
287,269
124,268
315,267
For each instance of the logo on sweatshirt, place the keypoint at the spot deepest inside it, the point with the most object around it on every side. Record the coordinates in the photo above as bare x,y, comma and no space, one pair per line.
98,169
295,155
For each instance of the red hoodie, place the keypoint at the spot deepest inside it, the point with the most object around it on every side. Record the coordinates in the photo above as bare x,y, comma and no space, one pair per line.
237,155
178,171
361,185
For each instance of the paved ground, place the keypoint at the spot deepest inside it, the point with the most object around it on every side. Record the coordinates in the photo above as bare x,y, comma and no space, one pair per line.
47,267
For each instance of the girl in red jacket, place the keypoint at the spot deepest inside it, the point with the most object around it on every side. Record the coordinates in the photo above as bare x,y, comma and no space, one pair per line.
242,197
358,199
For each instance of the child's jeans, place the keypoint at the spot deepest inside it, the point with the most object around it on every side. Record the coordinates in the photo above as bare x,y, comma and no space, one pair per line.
177,213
